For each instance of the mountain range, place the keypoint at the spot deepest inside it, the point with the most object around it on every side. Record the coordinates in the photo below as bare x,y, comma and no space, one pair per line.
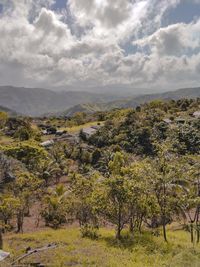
132,102
7,110
36,102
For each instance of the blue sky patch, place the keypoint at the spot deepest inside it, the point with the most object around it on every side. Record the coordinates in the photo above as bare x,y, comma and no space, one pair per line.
184,12
60,4
1,8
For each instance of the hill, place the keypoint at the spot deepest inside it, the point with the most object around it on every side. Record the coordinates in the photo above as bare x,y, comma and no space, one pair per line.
98,184
175,95
90,108
133,102
36,101
7,110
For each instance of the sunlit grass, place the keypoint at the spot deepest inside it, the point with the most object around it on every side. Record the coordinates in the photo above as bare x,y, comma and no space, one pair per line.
76,129
143,250
5,140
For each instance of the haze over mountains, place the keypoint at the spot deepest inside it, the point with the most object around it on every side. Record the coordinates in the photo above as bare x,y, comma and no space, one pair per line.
36,102
132,102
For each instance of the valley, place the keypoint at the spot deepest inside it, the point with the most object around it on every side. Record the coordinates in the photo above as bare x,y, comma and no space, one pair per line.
102,188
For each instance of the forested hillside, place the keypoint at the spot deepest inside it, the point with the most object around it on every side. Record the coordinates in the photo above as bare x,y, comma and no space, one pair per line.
133,102
128,179
37,102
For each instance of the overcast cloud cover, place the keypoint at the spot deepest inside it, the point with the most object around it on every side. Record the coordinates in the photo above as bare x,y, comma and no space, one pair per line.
89,43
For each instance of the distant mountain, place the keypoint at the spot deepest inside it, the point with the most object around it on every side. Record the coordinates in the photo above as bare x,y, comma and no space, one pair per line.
178,94
91,108
35,101
7,110
133,101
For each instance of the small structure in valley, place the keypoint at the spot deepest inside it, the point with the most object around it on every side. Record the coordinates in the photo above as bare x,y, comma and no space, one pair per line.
4,255
196,114
168,121
47,143
89,131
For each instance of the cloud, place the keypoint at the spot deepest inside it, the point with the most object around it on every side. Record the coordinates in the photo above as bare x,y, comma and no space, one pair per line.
97,42
173,40
115,20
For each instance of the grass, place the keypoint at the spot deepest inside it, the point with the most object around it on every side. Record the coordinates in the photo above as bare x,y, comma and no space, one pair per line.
72,130
140,251
76,129
5,140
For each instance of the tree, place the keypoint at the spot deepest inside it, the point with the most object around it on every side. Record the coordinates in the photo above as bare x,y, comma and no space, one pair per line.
57,154
191,197
81,204
6,176
3,119
48,170
141,202
8,206
29,153
186,139
24,133
113,196
24,190
167,180
54,211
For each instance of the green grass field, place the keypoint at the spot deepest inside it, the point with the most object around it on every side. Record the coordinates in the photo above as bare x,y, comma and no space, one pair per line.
76,129
140,251
5,140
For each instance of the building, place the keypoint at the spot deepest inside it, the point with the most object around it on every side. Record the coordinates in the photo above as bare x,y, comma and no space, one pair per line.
196,114
47,143
89,131
3,255
168,121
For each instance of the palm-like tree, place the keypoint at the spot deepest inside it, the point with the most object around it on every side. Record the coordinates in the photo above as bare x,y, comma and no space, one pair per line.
48,170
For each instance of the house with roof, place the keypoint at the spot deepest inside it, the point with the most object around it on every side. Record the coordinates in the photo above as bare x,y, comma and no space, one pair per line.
47,143
196,114
89,131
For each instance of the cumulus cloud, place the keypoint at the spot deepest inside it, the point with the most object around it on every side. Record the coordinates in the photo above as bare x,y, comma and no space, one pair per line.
174,39
97,42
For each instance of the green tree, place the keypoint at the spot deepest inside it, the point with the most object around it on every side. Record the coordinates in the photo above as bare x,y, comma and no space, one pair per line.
81,203
29,153
48,170
8,206
3,119
24,190
54,211
112,197
191,195
166,177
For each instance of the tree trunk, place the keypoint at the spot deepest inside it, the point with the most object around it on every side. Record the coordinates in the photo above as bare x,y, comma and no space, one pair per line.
20,220
164,230
118,234
192,232
198,234
197,225
131,226
1,239
140,224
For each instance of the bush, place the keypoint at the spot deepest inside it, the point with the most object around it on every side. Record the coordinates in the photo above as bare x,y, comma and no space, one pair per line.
89,231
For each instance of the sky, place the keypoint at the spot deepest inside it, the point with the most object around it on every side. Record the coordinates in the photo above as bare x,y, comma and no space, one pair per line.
143,45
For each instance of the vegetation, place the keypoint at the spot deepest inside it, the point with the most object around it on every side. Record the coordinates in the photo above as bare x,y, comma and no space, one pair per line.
144,250
125,186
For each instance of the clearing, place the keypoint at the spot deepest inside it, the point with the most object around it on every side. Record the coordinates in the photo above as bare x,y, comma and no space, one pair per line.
143,250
